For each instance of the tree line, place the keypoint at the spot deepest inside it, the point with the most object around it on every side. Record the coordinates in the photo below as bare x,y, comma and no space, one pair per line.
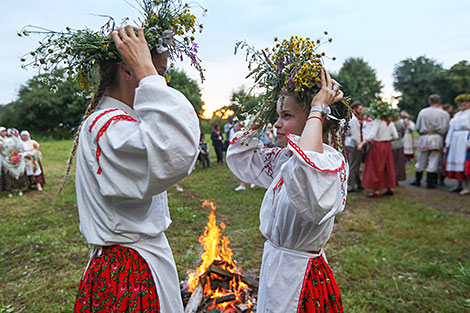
50,106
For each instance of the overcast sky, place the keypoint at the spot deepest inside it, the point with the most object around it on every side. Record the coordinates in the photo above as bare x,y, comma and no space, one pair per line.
381,32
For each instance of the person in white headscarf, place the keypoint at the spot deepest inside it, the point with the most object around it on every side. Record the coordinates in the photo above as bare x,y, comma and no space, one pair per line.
32,158
13,163
3,136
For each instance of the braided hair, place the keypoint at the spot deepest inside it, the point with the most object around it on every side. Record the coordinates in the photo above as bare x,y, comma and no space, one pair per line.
107,78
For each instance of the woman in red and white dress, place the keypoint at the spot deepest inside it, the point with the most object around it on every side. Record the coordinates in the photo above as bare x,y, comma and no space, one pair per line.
379,170
458,146
306,183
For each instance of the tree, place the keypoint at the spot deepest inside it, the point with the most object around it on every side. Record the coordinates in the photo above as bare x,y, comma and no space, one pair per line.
456,81
416,79
47,105
359,81
188,87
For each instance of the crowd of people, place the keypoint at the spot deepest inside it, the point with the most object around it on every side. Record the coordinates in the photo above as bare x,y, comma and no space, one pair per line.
386,144
20,162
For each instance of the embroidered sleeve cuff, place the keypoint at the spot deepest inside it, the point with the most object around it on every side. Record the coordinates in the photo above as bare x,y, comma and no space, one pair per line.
330,161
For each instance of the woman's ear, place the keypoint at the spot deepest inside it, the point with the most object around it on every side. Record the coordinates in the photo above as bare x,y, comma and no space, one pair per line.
124,71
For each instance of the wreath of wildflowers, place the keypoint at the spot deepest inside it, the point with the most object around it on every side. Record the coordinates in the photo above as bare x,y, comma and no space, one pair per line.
293,65
168,26
381,110
462,97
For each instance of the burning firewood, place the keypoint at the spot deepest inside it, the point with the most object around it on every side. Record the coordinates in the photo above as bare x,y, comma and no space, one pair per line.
221,272
195,299
217,285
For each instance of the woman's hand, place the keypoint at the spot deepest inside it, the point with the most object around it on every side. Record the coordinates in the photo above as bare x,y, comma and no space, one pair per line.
134,51
329,92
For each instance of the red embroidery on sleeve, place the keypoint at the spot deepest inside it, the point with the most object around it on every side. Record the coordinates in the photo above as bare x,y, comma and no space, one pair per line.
231,142
308,161
100,116
103,129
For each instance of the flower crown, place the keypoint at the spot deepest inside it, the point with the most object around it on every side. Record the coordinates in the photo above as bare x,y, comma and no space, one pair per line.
293,66
462,97
168,26
381,109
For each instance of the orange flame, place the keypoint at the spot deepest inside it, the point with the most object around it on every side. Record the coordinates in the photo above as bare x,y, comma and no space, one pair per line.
216,249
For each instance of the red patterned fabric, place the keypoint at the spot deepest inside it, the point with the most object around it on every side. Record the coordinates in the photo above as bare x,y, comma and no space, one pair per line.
320,293
379,171
465,175
117,281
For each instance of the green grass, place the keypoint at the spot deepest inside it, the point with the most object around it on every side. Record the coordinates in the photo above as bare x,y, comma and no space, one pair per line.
388,254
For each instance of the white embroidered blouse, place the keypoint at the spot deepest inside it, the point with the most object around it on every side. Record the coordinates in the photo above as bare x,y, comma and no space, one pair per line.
126,159
305,190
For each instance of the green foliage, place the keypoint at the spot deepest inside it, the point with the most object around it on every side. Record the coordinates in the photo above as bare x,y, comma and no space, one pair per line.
188,87
359,81
47,105
457,81
380,109
417,79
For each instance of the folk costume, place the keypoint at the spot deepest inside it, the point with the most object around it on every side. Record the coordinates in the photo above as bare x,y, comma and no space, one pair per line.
126,160
32,156
305,190
13,162
408,144
379,172
458,141
128,157
353,139
432,125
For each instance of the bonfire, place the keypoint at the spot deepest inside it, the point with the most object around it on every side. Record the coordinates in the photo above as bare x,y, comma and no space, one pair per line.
218,284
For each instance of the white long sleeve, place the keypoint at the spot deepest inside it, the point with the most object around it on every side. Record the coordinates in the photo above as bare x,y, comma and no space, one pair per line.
144,156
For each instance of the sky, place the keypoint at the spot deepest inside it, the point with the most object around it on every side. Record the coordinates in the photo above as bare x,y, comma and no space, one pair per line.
383,33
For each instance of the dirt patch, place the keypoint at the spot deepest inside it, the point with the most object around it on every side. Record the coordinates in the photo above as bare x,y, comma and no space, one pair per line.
440,198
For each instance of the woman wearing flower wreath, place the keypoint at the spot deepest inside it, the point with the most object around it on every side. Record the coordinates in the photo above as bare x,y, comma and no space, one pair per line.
32,157
306,182
379,170
458,146
138,138
13,163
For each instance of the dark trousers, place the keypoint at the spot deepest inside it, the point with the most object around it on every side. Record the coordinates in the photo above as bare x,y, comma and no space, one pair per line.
219,151
355,158
204,159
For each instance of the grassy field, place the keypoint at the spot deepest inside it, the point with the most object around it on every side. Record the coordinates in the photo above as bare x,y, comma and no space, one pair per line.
389,255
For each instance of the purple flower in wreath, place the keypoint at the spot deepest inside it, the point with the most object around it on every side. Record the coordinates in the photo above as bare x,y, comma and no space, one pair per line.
291,83
195,47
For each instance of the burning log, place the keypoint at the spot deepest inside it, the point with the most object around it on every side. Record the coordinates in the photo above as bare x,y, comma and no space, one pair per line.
226,298
224,273
241,307
195,299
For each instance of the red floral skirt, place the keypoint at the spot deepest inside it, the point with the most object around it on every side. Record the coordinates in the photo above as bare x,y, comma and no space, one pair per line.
119,280
379,171
320,293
